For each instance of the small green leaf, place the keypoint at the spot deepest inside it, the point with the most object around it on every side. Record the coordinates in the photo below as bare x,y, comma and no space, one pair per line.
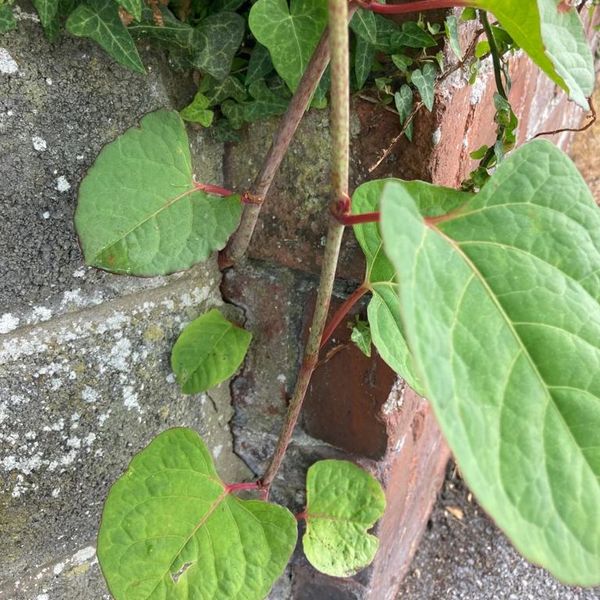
364,56
266,103
47,10
99,20
197,111
290,33
7,18
403,99
260,64
217,91
342,503
424,80
374,29
361,336
133,7
234,113
451,27
139,211
171,529
553,38
500,302
208,351
412,36
172,33
218,38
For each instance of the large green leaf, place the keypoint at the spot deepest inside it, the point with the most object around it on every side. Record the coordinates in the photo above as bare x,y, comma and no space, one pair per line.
499,303
172,530
291,33
554,39
99,20
208,351
342,503
384,309
139,211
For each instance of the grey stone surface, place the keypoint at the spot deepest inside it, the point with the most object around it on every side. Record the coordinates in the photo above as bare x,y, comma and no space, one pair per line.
59,104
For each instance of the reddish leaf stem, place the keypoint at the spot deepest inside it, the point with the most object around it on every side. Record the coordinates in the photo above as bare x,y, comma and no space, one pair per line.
411,7
213,189
370,217
231,488
342,311
301,516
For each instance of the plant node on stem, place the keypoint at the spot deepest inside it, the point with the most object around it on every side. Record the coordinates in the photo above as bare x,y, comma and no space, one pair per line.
340,140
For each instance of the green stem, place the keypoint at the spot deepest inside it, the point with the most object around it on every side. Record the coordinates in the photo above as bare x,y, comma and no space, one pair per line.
340,140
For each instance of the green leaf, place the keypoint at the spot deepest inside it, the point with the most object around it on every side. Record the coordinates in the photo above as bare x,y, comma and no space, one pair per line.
47,10
451,27
99,20
197,111
266,103
374,29
403,100
364,56
208,351
133,7
424,80
172,33
234,113
383,311
500,304
361,336
260,64
7,18
171,529
412,36
290,33
553,38
139,211
217,91
218,38
342,503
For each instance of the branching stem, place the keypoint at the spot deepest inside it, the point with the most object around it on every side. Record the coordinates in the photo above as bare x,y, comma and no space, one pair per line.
340,140
342,311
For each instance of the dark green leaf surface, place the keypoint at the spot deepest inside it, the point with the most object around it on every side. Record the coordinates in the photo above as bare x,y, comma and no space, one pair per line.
99,20
208,351
291,33
138,209
364,56
7,18
170,530
499,302
412,36
342,503
48,12
260,64
553,38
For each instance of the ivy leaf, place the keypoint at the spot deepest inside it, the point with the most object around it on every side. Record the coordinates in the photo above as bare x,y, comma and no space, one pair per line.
361,336
172,33
260,64
99,20
171,529
424,80
403,100
47,11
364,57
501,310
198,112
290,33
451,28
208,351
139,211
217,91
412,36
218,38
266,103
7,18
383,312
553,38
133,7
342,503
374,29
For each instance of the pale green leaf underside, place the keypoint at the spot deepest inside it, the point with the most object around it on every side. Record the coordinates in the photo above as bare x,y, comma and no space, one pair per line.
555,40
384,309
138,210
343,503
290,33
170,531
500,308
99,20
208,351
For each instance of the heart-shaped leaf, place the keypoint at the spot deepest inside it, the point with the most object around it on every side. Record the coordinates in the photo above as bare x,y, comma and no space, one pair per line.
99,20
290,33
139,211
171,529
47,10
384,308
343,503
552,35
208,351
500,305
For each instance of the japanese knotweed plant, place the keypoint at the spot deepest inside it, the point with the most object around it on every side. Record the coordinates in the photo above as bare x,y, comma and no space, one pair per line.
485,301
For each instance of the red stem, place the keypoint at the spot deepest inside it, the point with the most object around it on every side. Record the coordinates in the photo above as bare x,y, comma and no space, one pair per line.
212,189
342,311
370,217
231,488
411,7
301,516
